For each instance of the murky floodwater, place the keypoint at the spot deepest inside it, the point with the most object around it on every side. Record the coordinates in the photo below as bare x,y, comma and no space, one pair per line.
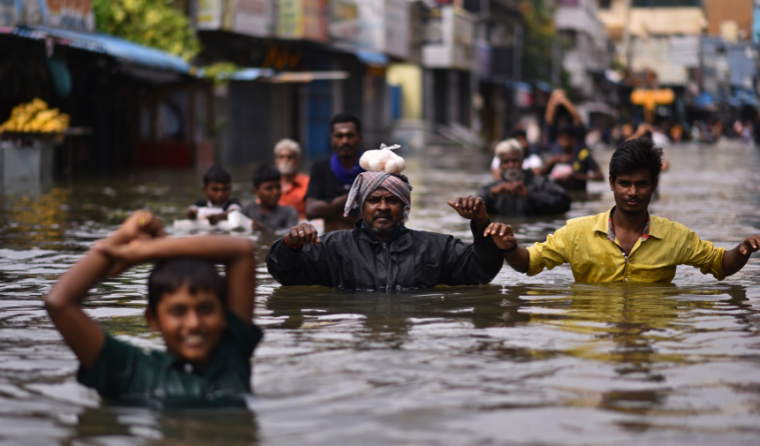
523,361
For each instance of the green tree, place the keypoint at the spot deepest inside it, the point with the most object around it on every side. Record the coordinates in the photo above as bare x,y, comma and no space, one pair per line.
154,23
538,40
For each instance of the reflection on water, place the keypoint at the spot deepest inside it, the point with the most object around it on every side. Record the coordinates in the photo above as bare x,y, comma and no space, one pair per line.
525,360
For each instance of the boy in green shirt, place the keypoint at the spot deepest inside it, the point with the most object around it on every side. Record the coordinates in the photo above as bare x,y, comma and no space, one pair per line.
205,321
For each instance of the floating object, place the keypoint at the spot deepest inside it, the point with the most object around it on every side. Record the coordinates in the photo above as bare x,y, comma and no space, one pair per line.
383,160
561,172
236,221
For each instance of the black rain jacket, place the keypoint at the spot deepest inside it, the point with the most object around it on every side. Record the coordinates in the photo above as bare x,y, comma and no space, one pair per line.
357,260
545,197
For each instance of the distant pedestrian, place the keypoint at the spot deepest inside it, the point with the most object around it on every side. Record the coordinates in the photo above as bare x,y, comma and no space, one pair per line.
331,178
553,124
287,157
265,212
572,169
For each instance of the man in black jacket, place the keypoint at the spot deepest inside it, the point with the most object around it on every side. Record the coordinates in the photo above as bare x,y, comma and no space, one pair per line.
521,193
380,254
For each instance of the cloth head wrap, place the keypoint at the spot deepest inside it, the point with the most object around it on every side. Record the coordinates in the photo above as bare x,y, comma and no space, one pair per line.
368,182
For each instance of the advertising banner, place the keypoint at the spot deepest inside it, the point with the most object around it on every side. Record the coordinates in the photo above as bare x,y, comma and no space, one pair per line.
69,14
343,24
302,19
66,14
253,17
209,15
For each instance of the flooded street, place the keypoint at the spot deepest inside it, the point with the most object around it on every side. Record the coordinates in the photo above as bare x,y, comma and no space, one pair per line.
537,360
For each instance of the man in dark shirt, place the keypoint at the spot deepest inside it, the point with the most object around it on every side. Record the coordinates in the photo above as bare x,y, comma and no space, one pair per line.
521,193
380,254
332,178
559,99
572,169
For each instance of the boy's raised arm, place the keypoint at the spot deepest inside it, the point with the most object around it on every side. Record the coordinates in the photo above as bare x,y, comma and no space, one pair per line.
234,252
63,302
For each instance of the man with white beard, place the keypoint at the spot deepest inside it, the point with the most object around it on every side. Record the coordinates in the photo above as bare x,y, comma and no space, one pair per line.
520,192
287,157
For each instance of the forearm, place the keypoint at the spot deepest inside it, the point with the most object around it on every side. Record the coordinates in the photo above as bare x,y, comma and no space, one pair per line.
322,209
733,261
216,249
518,260
71,288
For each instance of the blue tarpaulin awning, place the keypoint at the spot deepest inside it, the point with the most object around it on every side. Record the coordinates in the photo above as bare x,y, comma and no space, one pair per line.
121,49
372,58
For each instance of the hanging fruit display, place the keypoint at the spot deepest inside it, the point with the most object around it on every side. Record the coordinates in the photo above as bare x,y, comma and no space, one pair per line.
35,117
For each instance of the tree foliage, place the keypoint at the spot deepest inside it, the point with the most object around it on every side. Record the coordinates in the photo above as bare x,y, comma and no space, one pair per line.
538,40
154,23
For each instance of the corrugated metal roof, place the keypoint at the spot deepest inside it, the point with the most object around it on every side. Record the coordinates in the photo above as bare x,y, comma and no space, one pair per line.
121,49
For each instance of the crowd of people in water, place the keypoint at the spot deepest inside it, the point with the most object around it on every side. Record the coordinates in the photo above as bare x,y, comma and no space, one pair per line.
205,318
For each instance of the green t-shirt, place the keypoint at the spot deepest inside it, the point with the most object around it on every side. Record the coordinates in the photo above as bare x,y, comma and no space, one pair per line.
129,374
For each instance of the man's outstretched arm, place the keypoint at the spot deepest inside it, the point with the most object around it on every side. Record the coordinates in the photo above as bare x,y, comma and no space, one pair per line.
300,258
734,260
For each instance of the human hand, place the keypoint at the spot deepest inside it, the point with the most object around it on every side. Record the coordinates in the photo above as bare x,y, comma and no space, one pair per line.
472,208
749,245
216,218
501,234
140,224
192,213
124,256
519,189
303,234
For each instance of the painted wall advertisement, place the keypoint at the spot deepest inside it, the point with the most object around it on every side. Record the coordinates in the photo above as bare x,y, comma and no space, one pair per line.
67,14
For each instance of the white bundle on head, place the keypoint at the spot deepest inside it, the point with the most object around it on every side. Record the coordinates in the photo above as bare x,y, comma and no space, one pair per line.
383,160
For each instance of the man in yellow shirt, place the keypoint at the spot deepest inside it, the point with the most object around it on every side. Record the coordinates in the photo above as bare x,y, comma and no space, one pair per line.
626,243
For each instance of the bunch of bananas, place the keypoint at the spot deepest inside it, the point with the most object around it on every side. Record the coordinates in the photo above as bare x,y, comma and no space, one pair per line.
35,117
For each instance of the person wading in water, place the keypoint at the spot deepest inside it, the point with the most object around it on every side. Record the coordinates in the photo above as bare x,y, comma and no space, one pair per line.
627,243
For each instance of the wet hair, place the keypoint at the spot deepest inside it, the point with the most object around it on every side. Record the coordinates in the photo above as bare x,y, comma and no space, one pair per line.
265,173
519,134
345,117
217,174
568,130
170,275
636,154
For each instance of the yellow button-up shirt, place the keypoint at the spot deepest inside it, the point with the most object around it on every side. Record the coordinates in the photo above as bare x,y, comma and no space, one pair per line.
584,244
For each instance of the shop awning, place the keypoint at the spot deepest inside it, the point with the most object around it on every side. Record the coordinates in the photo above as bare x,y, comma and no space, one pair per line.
121,49
372,58
269,75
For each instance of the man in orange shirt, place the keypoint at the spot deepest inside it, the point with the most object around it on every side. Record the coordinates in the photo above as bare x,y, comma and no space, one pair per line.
287,157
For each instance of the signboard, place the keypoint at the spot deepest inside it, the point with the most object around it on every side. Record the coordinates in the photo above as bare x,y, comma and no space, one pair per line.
455,48
67,14
209,15
397,28
253,17
302,19
380,26
343,21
